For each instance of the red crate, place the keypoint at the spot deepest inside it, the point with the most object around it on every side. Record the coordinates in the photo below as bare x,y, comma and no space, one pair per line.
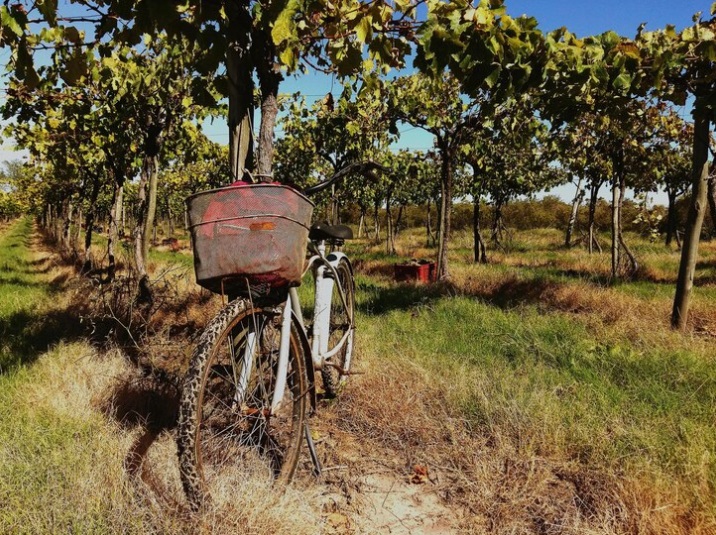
415,272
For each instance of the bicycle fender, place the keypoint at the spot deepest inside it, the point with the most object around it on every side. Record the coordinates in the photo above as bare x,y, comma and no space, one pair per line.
335,257
310,372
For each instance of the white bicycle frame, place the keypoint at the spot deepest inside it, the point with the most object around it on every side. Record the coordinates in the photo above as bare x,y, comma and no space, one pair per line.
325,277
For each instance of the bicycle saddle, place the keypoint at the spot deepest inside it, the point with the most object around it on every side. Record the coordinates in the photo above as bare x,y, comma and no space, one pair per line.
325,231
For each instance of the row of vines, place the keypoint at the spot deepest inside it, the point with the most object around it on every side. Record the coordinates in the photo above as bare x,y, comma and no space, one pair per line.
109,98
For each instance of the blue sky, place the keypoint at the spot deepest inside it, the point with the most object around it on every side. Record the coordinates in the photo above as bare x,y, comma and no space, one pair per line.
583,17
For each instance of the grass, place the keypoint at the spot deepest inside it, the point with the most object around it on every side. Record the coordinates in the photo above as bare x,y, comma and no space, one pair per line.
544,397
604,404
20,295
544,358
86,445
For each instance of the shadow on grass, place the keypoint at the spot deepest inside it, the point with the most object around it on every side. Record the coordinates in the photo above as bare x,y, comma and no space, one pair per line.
26,335
148,401
508,294
382,299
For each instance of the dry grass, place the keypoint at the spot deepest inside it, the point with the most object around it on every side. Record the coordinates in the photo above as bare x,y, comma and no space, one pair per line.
87,447
542,399
505,475
518,451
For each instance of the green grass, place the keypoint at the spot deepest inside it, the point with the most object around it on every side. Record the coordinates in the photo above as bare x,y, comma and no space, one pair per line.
60,468
22,291
617,401
547,383
554,387
53,454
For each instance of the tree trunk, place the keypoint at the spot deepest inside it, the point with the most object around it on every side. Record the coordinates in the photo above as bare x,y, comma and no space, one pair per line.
446,195
478,242
579,195
497,224
429,226
89,225
361,222
389,242
144,294
335,216
270,78
151,164
114,218
671,219
78,231
398,220
592,237
376,221
615,227
241,86
632,259
694,222
712,202
60,214
67,226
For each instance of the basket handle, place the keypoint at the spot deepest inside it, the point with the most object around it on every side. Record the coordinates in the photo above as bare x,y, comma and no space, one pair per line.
255,178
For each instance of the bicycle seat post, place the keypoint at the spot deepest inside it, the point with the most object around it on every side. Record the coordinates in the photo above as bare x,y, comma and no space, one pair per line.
321,246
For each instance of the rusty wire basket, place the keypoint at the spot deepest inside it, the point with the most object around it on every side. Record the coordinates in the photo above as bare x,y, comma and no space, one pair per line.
249,235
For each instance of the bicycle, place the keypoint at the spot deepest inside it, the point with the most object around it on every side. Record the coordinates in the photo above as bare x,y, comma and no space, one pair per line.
251,380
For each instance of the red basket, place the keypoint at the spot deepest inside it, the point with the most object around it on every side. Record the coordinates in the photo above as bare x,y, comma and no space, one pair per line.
254,234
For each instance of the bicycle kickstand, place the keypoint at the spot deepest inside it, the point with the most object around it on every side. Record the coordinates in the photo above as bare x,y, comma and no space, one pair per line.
317,469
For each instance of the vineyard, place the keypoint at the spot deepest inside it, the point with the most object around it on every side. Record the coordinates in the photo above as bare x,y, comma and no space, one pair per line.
556,375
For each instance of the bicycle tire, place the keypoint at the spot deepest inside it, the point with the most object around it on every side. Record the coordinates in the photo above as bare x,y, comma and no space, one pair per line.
340,323
222,425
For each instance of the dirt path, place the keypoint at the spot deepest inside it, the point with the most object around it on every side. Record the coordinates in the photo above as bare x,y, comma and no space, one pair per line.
368,487
386,502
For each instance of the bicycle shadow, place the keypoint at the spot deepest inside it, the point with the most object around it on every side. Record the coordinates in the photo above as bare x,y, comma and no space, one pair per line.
147,402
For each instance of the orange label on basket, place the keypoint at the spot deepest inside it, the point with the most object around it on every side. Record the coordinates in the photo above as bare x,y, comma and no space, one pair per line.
265,225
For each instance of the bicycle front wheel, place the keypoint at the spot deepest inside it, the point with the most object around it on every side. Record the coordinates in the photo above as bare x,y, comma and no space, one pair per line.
340,330
226,422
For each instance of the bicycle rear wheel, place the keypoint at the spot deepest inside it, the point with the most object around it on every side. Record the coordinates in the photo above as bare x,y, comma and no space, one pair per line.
341,326
226,423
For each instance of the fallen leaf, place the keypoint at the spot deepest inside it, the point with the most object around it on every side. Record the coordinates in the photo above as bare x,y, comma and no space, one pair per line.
420,474
338,523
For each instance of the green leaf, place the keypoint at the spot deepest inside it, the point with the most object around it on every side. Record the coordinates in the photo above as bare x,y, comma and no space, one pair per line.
623,82
71,34
9,22
24,68
284,28
364,29
48,8
350,62
289,58
689,34
74,69
708,50
492,79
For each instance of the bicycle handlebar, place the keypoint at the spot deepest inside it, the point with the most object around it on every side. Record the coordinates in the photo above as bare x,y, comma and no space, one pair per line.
363,168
